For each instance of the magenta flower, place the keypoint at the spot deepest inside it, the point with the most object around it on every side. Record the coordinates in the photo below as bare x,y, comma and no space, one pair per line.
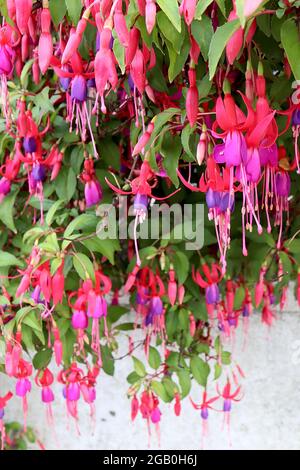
93,193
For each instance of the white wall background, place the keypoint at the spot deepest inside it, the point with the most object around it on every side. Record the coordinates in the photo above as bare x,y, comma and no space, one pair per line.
268,417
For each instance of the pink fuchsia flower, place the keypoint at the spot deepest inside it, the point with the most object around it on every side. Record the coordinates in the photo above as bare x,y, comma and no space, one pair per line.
172,287
77,97
120,25
192,99
204,408
23,385
79,320
45,47
5,186
57,347
188,10
213,277
6,59
93,193
250,6
3,403
92,190
23,12
141,187
150,14
229,397
45,379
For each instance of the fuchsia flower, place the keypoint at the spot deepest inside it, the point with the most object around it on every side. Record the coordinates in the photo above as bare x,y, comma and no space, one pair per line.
23,13
45,48
120,25
141,188
93,191
204,407
229,397
236,42
213,277
91,303
188,10
233,122
150,13
7,54
78,94
149,408
172,287
3,403
23,385
76,383
105,64
44,379
192,99
220,200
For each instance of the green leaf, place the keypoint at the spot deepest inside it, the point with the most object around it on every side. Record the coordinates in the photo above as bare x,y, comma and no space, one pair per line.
169,32
139,367
65,184
170,386
171,150
185,140
286,263
218,44
43,102
50,244
202,32
42,359
291,44
7,259
160,120
3,8
160,390
204,87
294,246
264,24
226,358
83,266
108,361
218,371
240,5
119,53
200,370
58,10
82,222
55,264
133,378
201,7
185,382
171,9
154,358
6,211
222,6
52,211
181,266
106,247
74,8
177,61
25,73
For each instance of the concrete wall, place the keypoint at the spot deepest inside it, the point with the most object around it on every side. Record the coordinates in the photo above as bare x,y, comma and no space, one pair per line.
268,417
